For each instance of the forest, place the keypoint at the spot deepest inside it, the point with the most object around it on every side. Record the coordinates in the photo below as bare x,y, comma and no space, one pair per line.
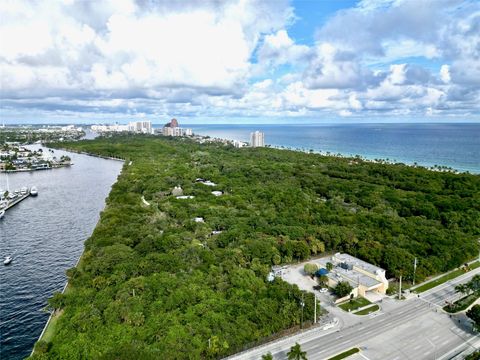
186,278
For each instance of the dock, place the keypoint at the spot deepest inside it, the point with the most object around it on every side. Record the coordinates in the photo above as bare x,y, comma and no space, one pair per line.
18,199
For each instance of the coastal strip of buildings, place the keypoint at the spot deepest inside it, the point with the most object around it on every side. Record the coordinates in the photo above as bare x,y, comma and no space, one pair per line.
172,128
139,127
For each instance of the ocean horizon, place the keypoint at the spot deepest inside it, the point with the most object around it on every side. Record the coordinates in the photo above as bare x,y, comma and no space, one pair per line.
455,145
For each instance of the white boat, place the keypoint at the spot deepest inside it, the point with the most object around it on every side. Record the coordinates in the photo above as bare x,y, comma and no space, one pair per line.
8,260
2,213
23,190
34,191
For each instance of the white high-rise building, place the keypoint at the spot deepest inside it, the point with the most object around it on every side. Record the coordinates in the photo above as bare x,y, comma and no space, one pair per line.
144,127
257,139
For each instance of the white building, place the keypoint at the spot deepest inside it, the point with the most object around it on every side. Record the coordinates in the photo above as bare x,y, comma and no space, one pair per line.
142,127
239,144
257,139
176,131
109,128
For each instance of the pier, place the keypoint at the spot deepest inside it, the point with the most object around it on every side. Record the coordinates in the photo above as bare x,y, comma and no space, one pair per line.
19,198
15,201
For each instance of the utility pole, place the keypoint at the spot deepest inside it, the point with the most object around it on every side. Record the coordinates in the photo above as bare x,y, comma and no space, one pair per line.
415,269
478,250
400,289
302,305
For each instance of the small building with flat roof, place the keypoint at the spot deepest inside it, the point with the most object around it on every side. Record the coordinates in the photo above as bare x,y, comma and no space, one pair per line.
361,275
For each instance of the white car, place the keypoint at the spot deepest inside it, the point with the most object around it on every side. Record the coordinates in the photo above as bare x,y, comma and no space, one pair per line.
323,290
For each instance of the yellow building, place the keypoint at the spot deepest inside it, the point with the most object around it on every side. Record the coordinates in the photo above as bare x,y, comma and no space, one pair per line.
362,276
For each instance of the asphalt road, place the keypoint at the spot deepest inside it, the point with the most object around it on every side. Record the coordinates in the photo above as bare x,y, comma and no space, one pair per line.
411,329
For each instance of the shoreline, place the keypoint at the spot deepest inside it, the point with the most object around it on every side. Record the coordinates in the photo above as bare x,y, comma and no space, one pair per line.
296,137
55,313
91,154
356,157
32,170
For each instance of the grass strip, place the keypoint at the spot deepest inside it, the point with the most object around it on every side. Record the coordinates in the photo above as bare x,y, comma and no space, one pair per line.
449,276
368,310
461,304
345,354
354,304
50,330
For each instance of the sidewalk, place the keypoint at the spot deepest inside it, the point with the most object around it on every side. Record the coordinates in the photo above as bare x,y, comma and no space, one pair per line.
413,288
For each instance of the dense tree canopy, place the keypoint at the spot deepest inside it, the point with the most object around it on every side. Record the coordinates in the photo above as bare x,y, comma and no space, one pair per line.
152,280
474,314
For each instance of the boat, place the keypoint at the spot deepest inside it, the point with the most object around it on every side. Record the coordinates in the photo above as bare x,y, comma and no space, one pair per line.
2,213
34,191
8,260
23,190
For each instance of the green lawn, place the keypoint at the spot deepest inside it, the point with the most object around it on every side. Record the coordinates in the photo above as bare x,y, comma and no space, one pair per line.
345,354
368,310
48,334
449,276
461,304
354,304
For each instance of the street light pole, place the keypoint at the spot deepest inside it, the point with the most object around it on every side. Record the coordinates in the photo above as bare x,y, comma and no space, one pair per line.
415,269
400,289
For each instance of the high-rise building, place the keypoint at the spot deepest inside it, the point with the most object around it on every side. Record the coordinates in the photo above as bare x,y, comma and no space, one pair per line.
143,127
257,139
172,129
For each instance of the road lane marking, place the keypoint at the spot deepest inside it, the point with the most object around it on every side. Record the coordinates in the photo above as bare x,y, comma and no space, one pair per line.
363,356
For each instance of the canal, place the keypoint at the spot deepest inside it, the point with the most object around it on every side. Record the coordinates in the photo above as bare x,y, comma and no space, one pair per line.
45,236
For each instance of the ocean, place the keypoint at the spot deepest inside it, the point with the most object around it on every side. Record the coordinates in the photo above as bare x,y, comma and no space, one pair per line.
456,145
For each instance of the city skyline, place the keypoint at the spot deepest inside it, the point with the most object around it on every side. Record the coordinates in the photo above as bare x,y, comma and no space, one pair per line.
240,61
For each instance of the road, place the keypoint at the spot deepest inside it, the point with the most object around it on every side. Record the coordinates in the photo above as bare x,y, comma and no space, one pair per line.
411,329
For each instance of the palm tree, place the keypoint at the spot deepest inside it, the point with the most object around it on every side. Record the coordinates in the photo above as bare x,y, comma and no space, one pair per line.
296,353
463,289
267,356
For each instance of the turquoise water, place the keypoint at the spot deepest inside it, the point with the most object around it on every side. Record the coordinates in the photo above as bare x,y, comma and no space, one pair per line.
453,145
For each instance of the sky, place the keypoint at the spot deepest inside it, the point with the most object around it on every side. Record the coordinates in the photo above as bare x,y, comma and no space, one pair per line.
254,61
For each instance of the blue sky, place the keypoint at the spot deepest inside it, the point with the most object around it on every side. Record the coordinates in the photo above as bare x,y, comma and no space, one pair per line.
234,61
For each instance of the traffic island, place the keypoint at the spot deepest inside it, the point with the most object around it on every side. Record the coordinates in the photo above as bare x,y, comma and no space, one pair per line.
345,354
354,304
367,310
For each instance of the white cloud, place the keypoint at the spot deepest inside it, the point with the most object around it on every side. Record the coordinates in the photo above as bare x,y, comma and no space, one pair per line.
236,58
198,45
445,74
332,68
279,49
